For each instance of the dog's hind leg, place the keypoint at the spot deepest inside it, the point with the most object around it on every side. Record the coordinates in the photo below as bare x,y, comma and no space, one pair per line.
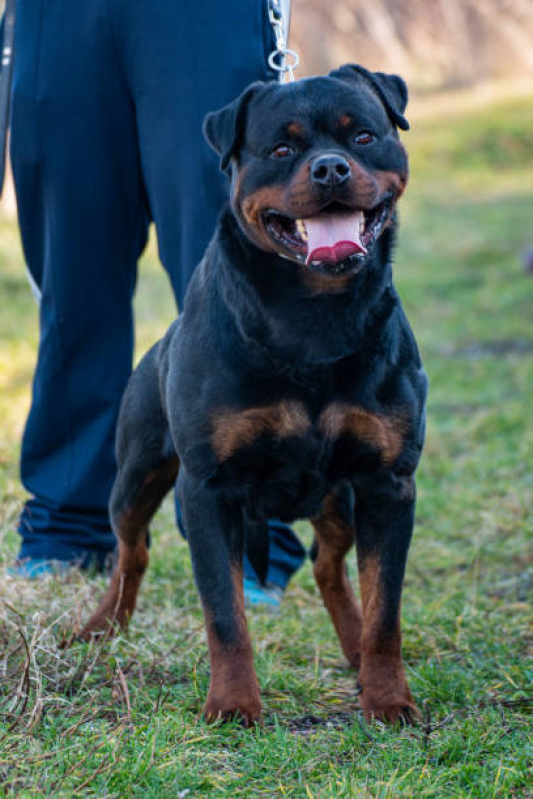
334,537
138,500
147,470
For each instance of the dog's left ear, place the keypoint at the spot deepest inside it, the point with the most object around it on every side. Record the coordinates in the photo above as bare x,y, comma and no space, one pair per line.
390,89
224,129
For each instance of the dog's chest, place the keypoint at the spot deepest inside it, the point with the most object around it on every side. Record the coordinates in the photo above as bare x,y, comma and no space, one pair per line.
283,448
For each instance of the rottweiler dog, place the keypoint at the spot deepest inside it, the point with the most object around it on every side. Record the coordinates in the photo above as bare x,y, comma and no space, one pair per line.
290,387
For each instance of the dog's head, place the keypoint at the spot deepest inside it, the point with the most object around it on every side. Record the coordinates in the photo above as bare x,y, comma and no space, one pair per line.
316,166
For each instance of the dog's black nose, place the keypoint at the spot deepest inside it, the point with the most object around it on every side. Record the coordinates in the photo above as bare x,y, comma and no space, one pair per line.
330,170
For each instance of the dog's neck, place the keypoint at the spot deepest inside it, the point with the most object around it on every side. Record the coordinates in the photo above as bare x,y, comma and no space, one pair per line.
277,315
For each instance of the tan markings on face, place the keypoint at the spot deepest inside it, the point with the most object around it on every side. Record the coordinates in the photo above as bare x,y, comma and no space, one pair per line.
295,129
362,191
261,200
365,189
384,433
345,120
391,181
233,430
299,200
237,177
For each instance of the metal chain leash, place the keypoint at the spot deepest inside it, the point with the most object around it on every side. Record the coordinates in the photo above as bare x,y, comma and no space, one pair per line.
281,60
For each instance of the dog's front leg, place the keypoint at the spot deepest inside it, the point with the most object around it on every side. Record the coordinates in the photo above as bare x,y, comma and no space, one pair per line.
215,534
384,525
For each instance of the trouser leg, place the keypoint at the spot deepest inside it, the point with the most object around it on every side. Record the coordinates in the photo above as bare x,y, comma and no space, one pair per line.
206,54
83,224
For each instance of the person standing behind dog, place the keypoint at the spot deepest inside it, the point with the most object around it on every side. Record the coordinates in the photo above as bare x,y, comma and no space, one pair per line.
107,107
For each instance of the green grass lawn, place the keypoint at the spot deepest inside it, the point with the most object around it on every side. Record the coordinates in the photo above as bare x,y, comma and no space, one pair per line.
123,719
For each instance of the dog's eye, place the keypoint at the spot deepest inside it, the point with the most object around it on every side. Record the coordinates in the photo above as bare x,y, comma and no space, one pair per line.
282,151
364,137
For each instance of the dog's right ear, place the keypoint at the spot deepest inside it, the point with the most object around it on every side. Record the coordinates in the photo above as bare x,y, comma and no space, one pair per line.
224,129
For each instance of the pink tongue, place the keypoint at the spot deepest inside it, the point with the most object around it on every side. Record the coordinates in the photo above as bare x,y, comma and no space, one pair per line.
333,237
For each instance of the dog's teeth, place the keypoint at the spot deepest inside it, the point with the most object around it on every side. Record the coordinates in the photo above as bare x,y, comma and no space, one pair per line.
300,225
362,222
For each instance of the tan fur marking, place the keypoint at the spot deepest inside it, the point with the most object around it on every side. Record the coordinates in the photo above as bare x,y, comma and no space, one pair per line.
385,692
345,120
366,189
261,200
324,284
385,433
233,430
334,539
233,687
237,177
368,584
118,603
131,528
295,129
391,181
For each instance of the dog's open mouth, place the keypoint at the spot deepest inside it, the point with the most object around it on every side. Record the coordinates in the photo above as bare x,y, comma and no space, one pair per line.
335,239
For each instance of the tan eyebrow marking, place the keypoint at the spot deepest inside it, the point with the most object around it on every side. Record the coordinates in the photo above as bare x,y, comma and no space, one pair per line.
295,129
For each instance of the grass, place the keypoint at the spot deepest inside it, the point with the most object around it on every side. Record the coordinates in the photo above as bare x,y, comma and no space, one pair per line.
123,719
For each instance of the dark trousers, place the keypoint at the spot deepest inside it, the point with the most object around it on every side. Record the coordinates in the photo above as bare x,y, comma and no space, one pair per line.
108,102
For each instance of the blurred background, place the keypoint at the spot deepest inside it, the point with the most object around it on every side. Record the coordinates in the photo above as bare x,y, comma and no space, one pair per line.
433,43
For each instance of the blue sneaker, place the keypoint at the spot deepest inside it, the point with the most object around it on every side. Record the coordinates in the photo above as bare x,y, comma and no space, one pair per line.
39,568
257,595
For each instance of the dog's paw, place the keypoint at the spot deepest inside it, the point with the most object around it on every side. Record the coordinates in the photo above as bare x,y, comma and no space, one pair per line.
98,626
392,708
247,710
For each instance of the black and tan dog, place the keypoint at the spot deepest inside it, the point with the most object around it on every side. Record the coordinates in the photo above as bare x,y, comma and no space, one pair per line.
290,387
